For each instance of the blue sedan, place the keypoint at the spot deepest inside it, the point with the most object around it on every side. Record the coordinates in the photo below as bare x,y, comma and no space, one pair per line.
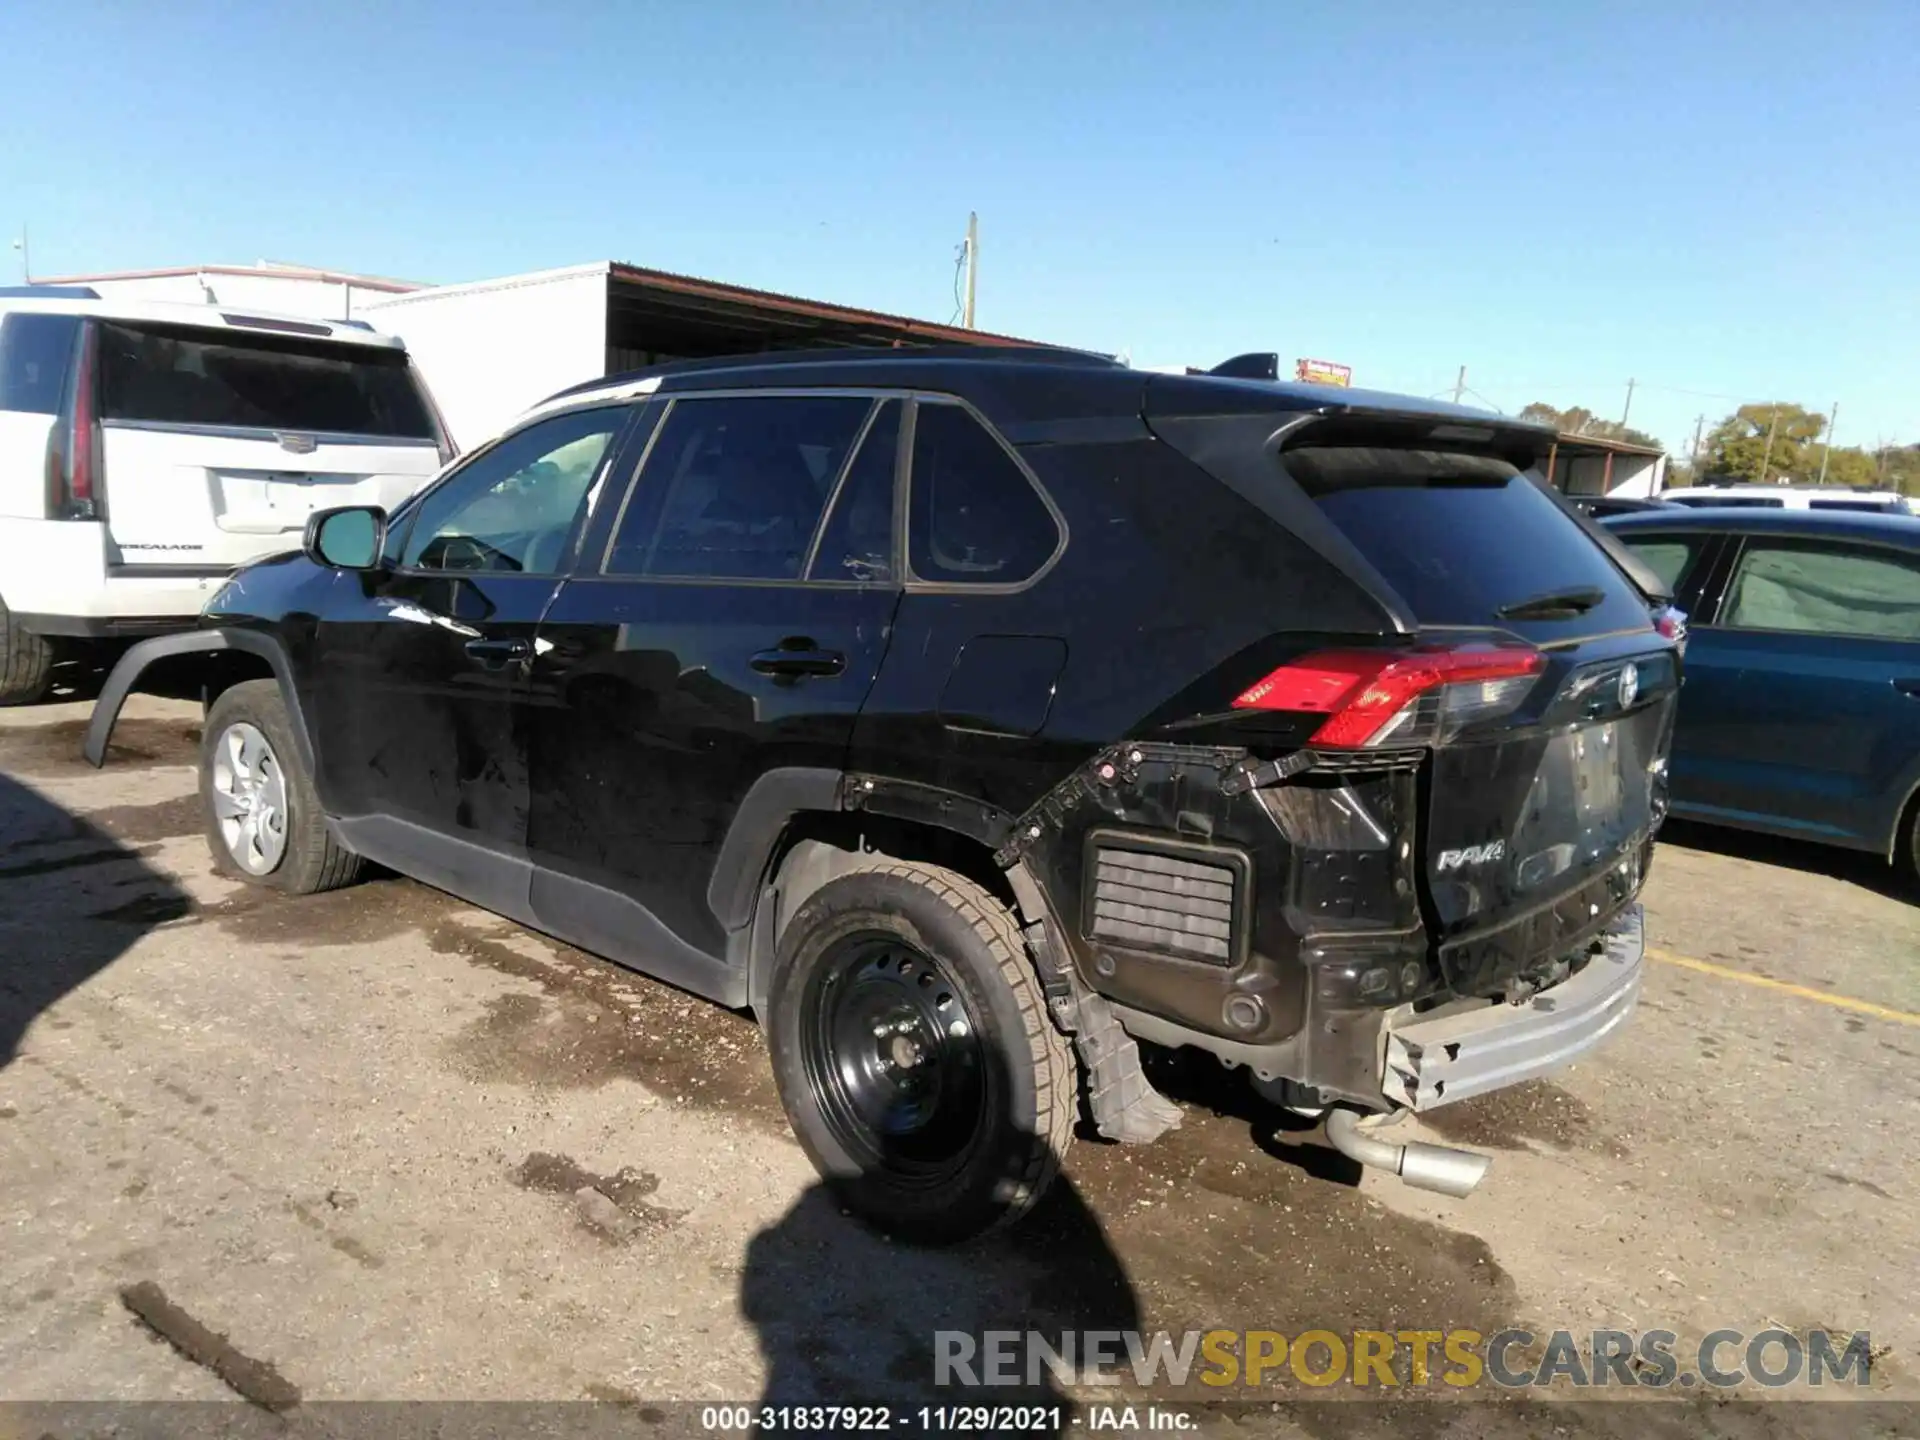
1801,710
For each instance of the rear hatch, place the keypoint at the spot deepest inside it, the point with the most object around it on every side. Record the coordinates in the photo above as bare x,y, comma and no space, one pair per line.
1529,687
217,444
1544,786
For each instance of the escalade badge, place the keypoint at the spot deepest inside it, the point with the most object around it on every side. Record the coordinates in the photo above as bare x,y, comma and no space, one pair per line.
298,444
1629,685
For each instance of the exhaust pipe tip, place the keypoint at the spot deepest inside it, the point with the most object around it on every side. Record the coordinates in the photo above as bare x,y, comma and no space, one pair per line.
1443,1169
1439,1168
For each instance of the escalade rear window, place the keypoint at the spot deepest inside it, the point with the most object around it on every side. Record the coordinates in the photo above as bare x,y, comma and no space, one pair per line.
34,353
1465,539
184,376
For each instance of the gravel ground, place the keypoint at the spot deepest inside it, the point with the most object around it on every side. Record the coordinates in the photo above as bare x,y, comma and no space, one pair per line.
378,1145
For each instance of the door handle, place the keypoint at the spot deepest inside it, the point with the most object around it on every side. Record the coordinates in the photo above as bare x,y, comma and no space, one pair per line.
1908,685
797,655
495,653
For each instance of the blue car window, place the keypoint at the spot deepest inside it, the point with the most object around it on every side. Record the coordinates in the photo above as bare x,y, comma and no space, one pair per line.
1827,591
1666,558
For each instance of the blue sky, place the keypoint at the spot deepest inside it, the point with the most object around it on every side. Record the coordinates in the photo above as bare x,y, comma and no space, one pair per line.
1716,198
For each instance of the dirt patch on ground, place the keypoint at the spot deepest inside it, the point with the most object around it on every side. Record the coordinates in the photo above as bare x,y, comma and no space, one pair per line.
1243,1218
143,824
613,1207
364,914
47,750
1533,1111
598,1022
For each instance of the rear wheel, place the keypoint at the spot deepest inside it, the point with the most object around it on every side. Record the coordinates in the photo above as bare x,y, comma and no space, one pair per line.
26,663
1910,845
264,821
914,1055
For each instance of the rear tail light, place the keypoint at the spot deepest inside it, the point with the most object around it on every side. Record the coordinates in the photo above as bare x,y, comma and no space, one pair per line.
443,441
1381,697
73,455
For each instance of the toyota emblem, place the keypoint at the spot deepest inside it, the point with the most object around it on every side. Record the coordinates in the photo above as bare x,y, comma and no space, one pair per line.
1629,685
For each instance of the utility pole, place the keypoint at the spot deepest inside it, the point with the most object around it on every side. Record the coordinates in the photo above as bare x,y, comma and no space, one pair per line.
973,268
1627,409
1460,385
1827,449
1766,456
1699,424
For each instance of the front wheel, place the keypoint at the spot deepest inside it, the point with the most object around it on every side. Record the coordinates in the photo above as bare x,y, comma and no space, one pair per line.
264,821
913,1052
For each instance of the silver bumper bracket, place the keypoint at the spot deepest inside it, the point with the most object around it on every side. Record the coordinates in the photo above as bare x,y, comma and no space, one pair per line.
1459,1052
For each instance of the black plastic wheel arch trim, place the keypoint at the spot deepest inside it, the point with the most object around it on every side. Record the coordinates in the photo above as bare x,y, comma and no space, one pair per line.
127,671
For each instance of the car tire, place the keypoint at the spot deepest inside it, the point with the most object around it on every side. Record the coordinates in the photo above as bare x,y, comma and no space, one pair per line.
26,663
264,821
1910,846
913,1052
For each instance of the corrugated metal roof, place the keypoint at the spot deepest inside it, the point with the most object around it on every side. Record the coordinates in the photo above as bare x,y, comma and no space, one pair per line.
813,309
1574,440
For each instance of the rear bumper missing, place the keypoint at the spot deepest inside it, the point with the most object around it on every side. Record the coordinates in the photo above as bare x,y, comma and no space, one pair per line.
1467,1050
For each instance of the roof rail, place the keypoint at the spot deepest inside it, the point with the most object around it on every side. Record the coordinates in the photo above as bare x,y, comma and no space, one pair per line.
769,359
48,292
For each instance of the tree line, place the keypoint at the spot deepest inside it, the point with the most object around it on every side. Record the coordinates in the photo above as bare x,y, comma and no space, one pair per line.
1773,443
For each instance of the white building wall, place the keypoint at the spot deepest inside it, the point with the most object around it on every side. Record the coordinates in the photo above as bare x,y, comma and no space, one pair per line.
491,349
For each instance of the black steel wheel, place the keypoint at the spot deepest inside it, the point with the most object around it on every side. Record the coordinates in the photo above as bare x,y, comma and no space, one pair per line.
892,1049
914,1054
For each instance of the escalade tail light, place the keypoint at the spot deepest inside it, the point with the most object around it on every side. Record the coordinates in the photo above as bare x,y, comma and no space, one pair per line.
1398,697
73,450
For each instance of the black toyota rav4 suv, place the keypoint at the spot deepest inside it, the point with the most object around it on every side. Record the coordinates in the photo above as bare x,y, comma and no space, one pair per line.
971,717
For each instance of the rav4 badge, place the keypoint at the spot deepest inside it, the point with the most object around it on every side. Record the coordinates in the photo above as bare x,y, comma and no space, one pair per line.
1472,855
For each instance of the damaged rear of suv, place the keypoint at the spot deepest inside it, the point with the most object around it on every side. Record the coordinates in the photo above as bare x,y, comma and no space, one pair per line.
974,718
1386,855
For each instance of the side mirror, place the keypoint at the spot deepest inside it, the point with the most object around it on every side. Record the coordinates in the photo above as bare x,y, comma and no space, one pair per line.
347,538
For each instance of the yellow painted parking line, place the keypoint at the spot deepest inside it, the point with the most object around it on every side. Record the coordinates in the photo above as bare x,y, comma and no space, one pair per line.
1805,992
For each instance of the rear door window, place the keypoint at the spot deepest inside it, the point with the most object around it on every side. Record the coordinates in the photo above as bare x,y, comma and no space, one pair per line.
973,516
231,378
1668,556
1465,539
733,487
1825,590
857,541
35,351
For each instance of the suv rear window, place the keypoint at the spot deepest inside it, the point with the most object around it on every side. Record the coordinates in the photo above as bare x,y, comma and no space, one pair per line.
34,353
183,376
1462,537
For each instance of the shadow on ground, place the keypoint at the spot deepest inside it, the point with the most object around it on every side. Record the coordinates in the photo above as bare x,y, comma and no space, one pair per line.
842,1311
57,930
1855,867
